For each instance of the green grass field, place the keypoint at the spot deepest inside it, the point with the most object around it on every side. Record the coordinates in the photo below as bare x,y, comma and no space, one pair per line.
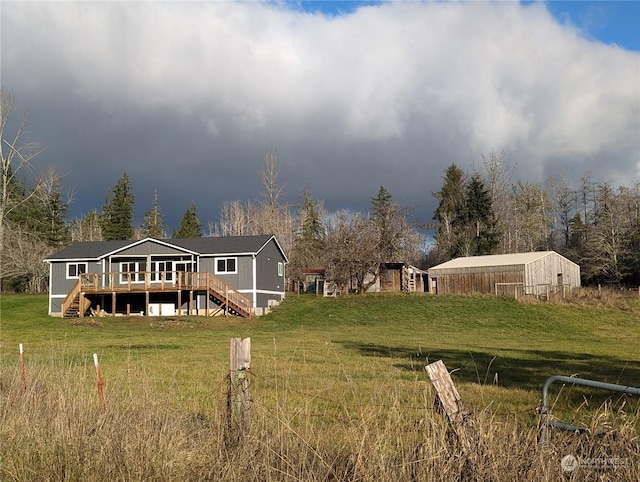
335,366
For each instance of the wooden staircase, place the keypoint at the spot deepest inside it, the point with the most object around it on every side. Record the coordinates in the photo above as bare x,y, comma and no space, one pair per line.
225,296
75,305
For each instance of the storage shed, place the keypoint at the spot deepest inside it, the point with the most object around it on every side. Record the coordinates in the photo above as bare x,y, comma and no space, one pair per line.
394,277
527,273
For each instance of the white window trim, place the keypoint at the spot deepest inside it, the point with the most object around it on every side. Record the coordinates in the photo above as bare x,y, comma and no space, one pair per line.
124,279
226,258
280,268
76,264
158,274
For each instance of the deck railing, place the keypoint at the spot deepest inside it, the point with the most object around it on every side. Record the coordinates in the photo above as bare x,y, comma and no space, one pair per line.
123,282
141,281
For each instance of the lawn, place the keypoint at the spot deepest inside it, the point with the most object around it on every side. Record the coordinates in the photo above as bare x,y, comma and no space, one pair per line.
332,364
499,350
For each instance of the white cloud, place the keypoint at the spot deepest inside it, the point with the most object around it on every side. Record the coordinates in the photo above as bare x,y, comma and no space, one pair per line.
439,82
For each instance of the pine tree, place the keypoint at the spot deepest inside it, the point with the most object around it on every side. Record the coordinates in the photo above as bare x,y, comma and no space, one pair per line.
311,224
154,225
50,214
190,226
308,245
384,209
117,213
447,214
481,236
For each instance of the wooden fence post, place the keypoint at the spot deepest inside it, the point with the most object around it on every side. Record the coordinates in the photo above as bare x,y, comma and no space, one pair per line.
99,382
452,404
238,397
22,374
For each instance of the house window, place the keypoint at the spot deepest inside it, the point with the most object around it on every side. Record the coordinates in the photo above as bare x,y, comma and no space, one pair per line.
280,269
132,271
184,266
161,271
226,265
74,270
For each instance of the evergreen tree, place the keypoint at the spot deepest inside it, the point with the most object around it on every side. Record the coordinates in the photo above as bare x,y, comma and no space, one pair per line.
480,235
51,213
117,213
447,214
384,210
154,225
308,245
311,224
190,226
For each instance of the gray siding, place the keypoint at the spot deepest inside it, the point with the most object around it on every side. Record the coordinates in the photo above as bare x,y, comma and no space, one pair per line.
60,284
267,269
264,298
149,248
242,280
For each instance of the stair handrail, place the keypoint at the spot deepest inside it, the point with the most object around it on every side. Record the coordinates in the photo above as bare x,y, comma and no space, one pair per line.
71,296
231,294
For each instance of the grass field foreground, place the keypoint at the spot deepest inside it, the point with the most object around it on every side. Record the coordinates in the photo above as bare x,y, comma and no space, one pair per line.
338,387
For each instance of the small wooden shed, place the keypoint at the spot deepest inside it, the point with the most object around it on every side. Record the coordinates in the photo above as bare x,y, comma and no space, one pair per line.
527,273
394,277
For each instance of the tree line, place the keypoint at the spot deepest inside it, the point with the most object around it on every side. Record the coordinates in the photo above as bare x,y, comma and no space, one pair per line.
482,212
594,224
34,221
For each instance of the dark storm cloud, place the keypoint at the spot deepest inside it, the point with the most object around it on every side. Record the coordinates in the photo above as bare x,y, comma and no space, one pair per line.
188,97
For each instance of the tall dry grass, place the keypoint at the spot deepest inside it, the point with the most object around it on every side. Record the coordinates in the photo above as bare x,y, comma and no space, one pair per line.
604,298
56,431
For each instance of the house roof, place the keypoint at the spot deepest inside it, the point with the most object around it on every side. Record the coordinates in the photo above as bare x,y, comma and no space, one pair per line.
202,246
88,250
493,260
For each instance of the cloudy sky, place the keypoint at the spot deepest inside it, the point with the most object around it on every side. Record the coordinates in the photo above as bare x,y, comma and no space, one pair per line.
188,97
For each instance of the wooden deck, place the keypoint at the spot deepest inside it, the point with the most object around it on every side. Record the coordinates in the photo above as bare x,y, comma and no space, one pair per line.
114,283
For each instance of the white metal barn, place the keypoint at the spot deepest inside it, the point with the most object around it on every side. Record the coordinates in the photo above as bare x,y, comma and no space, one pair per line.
528,273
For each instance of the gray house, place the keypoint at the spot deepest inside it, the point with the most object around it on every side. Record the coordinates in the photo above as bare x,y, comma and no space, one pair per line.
240,275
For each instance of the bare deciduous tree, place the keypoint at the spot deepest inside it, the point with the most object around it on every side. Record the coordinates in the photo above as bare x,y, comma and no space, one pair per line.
16,154
273,214
349,242
564,206
23,260
498,179
87,228
233,220
533,213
